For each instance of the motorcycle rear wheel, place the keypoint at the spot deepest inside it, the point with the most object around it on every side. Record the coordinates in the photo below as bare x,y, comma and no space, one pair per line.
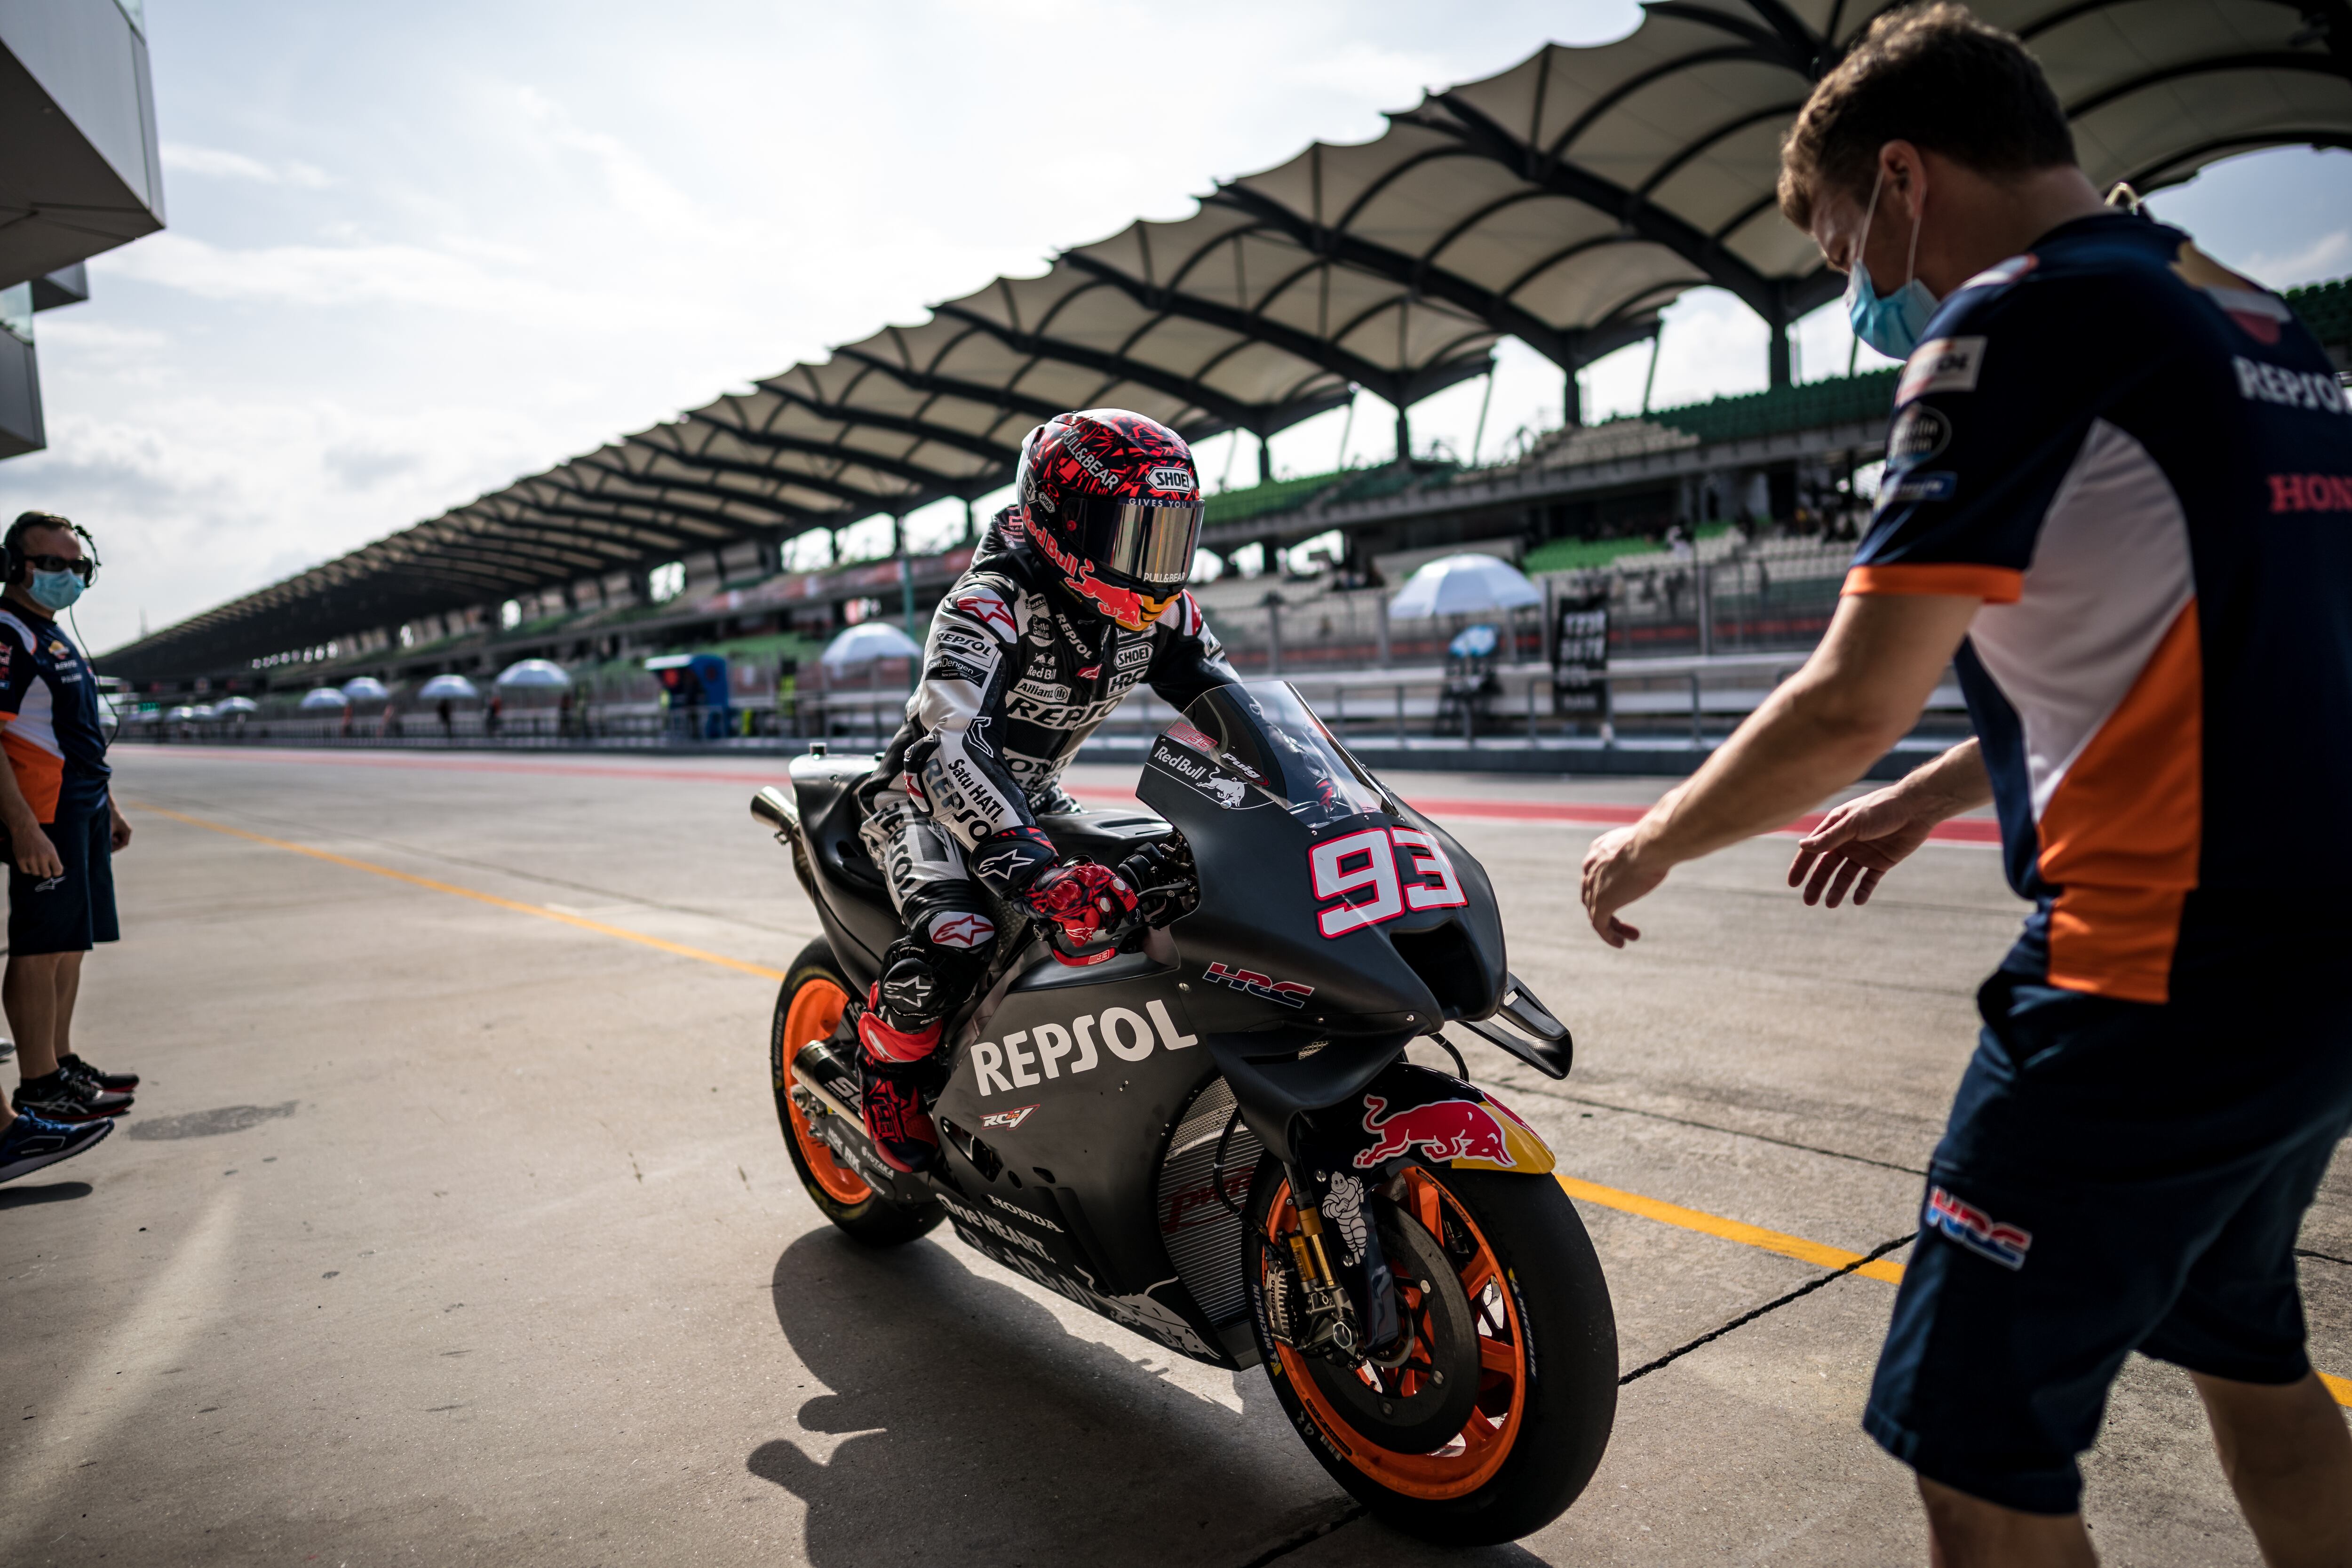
816,995
1527,1284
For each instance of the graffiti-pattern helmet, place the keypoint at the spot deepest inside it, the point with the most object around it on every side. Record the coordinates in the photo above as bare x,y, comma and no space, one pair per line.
1112,502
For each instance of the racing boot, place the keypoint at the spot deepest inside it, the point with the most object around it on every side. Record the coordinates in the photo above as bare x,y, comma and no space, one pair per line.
898,1040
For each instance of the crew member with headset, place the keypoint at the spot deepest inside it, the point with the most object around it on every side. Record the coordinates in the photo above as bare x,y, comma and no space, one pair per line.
63,829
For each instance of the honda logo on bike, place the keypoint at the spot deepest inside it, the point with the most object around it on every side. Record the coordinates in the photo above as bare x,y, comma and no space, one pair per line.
1054,1049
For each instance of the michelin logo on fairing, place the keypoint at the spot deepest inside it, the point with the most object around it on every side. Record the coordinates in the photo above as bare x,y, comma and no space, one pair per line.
1025,1054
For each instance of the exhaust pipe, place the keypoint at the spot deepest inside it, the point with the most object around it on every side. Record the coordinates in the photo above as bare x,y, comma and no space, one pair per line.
776,810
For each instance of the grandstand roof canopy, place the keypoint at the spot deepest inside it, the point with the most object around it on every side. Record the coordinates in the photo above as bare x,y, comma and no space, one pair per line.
1563,202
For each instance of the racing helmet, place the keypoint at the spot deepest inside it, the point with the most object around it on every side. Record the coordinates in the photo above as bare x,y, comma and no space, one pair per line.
1113,503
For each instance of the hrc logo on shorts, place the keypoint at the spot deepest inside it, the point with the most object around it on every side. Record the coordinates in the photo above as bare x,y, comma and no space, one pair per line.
2004,1244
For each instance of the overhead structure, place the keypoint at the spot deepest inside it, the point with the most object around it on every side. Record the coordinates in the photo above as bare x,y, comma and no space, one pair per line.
1564,203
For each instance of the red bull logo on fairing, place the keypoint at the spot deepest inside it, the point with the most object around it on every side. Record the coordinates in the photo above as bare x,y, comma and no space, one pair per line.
1444,1129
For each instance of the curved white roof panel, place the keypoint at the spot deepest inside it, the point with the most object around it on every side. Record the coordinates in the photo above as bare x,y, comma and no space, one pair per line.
1564,202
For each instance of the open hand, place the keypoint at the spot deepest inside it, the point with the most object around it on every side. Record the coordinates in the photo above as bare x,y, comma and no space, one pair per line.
1616,873
1857,844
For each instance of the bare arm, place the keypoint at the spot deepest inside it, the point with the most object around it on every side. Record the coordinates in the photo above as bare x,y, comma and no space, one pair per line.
27,844
1857,695
1867,837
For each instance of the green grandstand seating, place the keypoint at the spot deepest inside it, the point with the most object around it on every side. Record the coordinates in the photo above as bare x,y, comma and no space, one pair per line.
2326,309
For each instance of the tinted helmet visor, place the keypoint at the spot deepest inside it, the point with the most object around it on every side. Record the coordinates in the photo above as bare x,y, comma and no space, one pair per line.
1140,543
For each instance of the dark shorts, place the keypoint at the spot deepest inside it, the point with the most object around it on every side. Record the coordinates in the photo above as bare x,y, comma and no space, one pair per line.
2115,1177
68,914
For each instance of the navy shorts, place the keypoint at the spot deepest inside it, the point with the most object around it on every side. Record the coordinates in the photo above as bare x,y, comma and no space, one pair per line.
68,914
2115,1177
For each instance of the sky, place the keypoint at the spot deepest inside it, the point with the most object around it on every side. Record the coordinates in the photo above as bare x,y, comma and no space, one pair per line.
415,252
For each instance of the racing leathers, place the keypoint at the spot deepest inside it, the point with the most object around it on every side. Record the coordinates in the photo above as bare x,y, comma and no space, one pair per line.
1017,672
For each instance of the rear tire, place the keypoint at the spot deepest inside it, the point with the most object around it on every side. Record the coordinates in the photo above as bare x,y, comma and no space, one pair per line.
1544,1344
814,996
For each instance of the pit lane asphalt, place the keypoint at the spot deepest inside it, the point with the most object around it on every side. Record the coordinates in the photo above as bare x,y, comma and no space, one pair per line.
445,1234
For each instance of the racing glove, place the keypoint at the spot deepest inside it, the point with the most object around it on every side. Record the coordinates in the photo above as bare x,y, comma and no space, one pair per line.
1080,904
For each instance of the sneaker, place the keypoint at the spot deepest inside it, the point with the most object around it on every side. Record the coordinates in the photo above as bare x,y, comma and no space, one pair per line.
33,1141
120,1082
61,1096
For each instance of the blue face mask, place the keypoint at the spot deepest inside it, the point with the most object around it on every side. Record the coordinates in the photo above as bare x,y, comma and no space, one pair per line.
1893,323
55,590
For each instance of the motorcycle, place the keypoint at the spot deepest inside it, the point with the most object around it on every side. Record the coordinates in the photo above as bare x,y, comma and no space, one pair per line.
1208,1132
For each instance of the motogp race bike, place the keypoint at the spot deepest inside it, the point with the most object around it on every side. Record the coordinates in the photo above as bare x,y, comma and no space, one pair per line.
1213,1136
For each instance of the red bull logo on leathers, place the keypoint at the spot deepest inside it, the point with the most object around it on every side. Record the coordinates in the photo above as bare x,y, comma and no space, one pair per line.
1447,1129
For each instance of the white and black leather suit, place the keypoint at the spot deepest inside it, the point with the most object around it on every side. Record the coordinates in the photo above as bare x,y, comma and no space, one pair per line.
1017,672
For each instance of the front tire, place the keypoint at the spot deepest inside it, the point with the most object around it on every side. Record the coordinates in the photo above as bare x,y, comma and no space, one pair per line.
1520,1307
814,996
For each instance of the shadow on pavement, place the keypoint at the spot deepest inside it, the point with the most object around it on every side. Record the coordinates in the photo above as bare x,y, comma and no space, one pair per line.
210,1124
49,1193
983,1432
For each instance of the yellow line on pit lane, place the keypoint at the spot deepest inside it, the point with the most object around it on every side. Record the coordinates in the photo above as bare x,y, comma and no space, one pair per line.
1648,1208
600,928
1747,1235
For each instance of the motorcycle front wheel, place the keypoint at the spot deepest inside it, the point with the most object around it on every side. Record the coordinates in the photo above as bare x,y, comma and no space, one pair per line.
814,996
1495,1416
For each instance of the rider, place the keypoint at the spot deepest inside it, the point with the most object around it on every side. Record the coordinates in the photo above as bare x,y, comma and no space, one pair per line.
1073,598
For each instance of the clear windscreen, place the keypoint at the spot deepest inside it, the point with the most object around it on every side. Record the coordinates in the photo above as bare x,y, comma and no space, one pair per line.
1263,732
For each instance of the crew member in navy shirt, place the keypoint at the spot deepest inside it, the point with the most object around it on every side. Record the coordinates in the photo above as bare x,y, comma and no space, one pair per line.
63,824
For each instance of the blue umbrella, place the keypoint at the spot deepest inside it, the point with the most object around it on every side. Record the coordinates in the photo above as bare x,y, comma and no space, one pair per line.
366,688
323,696
454,687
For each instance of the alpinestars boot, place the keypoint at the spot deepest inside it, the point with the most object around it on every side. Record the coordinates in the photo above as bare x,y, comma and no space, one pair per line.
892,1067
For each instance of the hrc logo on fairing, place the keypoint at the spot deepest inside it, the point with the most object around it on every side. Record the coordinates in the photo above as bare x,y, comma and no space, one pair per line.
1974,1229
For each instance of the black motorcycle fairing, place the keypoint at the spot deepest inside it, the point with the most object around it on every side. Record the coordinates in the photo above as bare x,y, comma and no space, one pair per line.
1279,1076
854,904
1072,1089
1291,837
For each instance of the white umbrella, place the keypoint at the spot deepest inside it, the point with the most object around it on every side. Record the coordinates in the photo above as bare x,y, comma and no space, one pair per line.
227,706
204,711
324,697
1464,585
182,711
455,687
366,688
544,673
868,641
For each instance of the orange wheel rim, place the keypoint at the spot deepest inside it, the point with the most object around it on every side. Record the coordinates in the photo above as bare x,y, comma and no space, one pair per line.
1471,1457
815,1014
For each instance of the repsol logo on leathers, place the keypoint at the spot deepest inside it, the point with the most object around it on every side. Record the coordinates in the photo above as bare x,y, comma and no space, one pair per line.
1028,1057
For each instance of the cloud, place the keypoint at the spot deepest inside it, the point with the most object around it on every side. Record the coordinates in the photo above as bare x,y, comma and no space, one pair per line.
2325,257
219,163
360,274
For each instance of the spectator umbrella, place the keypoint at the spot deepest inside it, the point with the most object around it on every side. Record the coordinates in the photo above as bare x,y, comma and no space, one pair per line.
450,688
319,698
534,674
1467,585
868,641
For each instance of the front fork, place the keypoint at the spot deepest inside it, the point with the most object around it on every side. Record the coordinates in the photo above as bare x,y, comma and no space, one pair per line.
1348,1308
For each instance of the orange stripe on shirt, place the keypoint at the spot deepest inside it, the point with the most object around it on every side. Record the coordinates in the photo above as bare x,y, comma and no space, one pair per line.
1993,585
40,774
2123,831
